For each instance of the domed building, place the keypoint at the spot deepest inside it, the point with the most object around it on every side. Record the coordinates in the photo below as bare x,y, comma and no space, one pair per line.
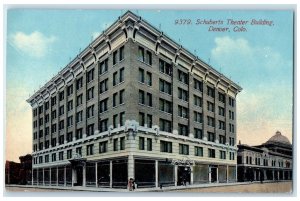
271,160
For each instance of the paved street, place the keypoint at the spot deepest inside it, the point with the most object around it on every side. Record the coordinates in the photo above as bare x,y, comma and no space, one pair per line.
280,187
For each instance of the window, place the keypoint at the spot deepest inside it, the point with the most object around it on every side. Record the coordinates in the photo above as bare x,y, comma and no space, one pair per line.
231,102
198,133
122,118
69,137
116,144
165,146
149,99
70,90
198,85
141,143
165,67
121,78
222,139
90,75
70,121
210,91
231,141
148,59
61,139
141,119
115,78
53,128
79,151
211,153
221,111
115,56
211,121
103,147
141,97
165,86
40,133
90,130
103,67
103,85
47,131
79,133
53,142
35,135
211,137
103,125
61,96
210,106
165,105
46,118
197,101
70,105
122,143
231,156
61,156
40,146
61,125
46,158
53,114
79,100
183,130
61,110
183,149
198,117
53,101
149,121
69,154
198,151
90,111
103,105
89,149
141,55
231,115
231,128
182,77
182,94
79,83
115,95
221,97
53,156
79,116
47,105
121,97
165,125
90,93
41,121
149,79
149,144
141,75
121,55
221,125
182,111
40,109
115,117
222,154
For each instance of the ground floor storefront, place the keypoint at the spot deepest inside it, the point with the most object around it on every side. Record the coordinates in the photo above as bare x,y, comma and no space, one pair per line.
261,174
147,173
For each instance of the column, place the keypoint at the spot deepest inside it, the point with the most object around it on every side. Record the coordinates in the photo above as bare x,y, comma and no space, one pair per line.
73,176
37,176
273,175
96,174
84,175
32,176
278,175
56,176
227,174
130,166
50,177
176,176
209,174
254,175
110,174
156,173
65,176
217,168
43,176
259,175
192,175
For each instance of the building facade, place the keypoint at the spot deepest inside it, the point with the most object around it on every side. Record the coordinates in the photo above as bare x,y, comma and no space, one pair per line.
134,104
271,160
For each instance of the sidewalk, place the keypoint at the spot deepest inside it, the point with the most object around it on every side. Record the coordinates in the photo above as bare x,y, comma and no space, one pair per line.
164,189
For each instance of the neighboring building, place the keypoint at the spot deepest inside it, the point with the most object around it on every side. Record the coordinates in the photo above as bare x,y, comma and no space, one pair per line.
134,104
270,161
25,169
12,170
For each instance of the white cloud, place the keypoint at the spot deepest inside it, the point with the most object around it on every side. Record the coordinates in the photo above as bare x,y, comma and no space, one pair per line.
35,44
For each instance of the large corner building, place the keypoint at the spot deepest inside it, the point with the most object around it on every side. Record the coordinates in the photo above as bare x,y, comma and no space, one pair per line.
134,104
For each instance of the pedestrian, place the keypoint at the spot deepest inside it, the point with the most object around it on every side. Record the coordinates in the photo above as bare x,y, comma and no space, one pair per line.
133,184
130,187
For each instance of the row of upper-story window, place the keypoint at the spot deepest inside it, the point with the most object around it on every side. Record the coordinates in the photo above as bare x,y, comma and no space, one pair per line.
262,161
119,144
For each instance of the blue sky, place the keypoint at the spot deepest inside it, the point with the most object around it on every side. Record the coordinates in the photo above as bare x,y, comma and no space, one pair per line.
40,42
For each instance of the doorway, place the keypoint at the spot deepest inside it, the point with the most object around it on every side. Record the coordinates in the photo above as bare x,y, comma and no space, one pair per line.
213,173
184,175
79,176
